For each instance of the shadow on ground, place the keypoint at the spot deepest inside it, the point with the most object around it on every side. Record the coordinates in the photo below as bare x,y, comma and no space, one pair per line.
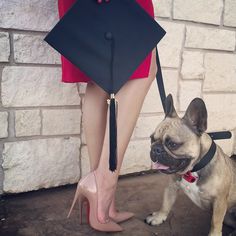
43,212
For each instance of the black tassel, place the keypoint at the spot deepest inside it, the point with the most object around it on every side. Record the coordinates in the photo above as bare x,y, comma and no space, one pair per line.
113,132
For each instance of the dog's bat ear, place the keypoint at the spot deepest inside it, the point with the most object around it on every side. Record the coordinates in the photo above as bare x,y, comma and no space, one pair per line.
196,116
169,107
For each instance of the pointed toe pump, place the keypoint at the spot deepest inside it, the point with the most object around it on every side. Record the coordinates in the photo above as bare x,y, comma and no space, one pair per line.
87,190
122,216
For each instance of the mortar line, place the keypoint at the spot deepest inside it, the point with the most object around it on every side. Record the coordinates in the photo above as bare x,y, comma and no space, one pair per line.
197,23
180,78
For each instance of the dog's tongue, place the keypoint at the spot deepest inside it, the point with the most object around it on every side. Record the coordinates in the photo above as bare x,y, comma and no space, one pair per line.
159,166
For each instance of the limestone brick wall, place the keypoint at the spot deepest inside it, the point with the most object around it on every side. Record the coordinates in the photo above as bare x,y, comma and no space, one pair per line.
42,143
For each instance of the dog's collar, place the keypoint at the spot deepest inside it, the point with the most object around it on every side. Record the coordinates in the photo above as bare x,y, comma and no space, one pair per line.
201,164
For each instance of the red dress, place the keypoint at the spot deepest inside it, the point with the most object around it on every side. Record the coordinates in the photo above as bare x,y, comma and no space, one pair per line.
72,74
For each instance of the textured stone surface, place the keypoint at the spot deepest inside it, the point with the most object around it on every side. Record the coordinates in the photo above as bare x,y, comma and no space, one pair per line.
210,38
152,102
227,145
43,163
199,11
221,111
83,139
170,46
192,67
85,164
229,13
162,8
146,125
136,157
32,49
61,121
27,122
188,91
220,72
3,124
4,46
36,86
28,14
82,88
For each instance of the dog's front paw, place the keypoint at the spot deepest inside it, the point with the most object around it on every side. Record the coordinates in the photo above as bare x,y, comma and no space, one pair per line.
156,218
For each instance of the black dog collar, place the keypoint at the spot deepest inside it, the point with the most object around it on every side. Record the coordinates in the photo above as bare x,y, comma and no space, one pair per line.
206,159
203,162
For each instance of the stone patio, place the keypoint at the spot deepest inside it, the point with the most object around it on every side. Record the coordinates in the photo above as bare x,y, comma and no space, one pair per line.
43,212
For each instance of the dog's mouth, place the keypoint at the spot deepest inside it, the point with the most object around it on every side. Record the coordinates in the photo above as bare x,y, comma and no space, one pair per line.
179,166
168,164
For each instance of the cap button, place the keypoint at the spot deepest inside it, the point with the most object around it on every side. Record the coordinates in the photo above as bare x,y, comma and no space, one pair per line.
108,35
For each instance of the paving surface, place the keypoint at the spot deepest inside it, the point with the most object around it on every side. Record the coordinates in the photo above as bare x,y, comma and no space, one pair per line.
43,212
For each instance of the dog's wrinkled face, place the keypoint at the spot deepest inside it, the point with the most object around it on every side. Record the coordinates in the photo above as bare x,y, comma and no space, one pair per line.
175,143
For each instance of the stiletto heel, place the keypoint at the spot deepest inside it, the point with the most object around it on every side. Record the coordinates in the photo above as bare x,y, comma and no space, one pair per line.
81,203
81,207
88,210
77,195
87,189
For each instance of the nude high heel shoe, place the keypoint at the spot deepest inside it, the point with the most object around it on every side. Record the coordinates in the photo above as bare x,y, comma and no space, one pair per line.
87,189
121,216
118,216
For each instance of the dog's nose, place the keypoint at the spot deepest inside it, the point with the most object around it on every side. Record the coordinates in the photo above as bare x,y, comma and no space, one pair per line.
157,150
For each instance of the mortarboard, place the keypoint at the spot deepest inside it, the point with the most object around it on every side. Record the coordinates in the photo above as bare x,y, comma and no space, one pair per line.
107,42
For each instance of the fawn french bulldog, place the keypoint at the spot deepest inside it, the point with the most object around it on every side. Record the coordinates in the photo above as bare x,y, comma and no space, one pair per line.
180,147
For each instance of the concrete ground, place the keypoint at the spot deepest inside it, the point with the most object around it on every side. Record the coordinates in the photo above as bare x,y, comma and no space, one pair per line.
43,212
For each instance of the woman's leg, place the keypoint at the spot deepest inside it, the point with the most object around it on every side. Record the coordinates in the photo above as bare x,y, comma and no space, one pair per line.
94,121
130,100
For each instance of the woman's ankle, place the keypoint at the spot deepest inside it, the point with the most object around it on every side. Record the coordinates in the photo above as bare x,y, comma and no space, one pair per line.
105,181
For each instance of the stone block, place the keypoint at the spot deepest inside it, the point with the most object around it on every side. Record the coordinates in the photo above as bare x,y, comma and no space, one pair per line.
188,91
3,124
28,14
221,111
210,38
220,72
192,66
66,121
36,86
171,45
162,8
4,46
33,49
146,125
27,122
229,13
43,163
199,11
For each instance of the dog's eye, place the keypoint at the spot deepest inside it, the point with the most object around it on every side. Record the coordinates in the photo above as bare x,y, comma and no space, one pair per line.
171,144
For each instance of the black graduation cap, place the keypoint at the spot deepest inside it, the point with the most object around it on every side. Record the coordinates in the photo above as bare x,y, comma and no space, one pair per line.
107,42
